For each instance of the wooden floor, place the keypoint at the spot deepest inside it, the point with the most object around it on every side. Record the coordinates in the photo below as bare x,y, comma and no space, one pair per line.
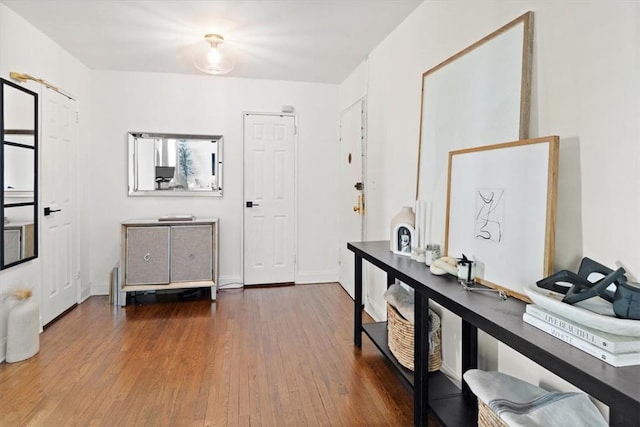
262,357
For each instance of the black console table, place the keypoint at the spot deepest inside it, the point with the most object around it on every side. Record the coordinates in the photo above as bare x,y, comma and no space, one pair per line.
619,388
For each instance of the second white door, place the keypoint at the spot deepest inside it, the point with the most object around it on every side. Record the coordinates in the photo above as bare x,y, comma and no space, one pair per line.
59,180
269,196
351,192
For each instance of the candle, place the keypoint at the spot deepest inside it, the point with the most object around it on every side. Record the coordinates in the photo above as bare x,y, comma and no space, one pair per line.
427,223
418,224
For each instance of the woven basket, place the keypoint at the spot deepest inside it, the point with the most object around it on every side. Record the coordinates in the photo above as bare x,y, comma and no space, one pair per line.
401,338
488,418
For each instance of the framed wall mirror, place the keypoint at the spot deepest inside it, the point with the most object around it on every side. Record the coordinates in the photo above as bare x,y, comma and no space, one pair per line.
19,177
175,164
479,96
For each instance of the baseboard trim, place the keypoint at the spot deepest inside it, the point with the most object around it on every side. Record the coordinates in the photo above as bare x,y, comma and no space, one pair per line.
317,277
376,312
234,282
227,282
455,378
99,288
3,346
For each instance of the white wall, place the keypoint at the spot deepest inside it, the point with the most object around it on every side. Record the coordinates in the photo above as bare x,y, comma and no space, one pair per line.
127,101
585,89
113,103
25,49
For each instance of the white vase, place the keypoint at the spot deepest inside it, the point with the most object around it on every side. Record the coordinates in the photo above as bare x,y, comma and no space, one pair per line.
23,331
405,216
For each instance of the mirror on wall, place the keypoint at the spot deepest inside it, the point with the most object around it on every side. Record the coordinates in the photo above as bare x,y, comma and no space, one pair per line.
175,164
19,177
479,96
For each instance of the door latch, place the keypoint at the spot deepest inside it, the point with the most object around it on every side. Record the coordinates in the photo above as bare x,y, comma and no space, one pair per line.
251,204
359,206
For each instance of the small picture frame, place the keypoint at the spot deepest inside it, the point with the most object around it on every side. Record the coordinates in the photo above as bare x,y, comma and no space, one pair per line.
403,236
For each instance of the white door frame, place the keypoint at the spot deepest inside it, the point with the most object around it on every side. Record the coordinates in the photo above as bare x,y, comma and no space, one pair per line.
295,188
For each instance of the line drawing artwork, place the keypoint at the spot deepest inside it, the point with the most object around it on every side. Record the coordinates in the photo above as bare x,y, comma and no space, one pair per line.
489,219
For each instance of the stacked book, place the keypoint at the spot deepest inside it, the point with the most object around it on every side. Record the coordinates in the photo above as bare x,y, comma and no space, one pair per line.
616,350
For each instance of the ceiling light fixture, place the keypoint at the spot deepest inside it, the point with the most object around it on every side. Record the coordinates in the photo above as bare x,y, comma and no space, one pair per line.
214,59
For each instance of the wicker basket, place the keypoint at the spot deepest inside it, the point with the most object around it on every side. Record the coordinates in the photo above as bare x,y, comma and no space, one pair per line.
401,337
488,418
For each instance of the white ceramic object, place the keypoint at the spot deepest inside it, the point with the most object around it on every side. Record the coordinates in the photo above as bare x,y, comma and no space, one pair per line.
23,331
405,216
594,312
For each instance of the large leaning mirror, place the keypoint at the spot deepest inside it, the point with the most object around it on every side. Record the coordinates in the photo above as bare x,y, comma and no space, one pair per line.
175,164
19,177
479,96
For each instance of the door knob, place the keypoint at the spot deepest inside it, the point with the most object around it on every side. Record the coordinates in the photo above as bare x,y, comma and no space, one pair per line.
48,211
356,208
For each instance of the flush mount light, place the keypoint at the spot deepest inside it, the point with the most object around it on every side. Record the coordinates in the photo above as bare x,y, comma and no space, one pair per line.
214,58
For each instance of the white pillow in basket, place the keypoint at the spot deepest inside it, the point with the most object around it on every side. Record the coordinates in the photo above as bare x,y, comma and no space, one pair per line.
402,300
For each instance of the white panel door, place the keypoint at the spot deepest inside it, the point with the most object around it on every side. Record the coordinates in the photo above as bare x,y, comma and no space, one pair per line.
269,193
351,192
59,183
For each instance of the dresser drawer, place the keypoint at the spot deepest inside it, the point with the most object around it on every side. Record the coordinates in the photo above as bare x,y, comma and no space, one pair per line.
147,255
191,253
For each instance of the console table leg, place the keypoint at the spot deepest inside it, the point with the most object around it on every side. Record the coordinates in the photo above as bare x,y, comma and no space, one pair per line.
357,301
618,418
469,352
421,361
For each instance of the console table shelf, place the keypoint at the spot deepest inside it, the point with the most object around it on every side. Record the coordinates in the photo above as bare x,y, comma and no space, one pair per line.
616,387
445,399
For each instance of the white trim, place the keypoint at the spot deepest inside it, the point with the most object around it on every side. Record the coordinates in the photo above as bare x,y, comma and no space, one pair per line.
375,310
317,277
99,288
228,281
451,374
3,347
231,286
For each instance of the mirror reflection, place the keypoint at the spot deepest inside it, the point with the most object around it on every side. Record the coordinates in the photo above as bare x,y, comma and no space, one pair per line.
18,236
19,174
175,164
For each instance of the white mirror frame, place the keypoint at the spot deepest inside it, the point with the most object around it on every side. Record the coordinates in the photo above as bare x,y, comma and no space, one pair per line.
479,96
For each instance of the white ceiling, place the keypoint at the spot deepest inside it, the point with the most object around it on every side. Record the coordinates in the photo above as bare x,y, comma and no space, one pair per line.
300,40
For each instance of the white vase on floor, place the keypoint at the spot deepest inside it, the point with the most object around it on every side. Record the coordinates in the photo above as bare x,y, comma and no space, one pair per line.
405,216
23,331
